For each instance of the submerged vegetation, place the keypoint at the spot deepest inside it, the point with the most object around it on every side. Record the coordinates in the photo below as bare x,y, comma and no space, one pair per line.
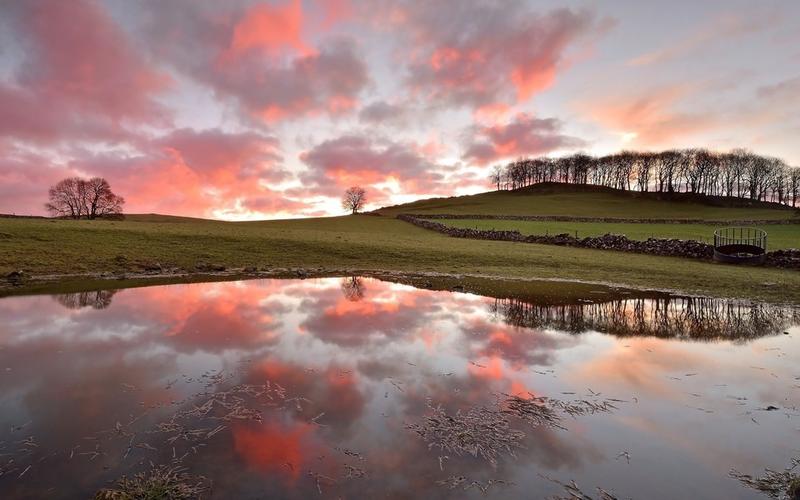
539,410
160,482
487,432
480,431
168,442
574,492
781,485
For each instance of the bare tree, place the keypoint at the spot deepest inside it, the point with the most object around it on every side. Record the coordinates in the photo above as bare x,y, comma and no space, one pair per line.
623,166
497,176
354,199
740,164
100,200
779,181
758,176
670,160
67,198
794,185
77,198
353,288
645,165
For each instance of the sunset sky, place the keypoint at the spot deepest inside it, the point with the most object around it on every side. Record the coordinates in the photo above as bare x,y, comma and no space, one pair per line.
246,110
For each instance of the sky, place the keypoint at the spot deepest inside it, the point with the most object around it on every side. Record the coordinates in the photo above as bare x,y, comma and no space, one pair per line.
247,109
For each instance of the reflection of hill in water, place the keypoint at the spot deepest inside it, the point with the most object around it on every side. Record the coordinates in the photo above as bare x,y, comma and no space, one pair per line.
691,318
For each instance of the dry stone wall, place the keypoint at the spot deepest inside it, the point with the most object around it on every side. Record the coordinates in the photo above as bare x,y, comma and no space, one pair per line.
670,247
570,218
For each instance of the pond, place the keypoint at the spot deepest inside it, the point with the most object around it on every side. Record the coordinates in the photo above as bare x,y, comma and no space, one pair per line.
362,388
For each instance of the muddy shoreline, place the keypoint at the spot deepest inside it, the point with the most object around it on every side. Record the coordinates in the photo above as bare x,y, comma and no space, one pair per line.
544,289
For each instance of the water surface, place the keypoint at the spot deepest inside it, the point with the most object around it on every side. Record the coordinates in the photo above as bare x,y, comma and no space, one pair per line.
333,388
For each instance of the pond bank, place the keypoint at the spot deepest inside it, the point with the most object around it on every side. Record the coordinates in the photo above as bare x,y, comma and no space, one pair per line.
541,290
54,251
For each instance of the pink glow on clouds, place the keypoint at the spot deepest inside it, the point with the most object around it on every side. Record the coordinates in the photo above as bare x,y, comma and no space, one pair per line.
271,28
96,70
77,82
654,116
195,172
334,165
506,57
408,98
523,135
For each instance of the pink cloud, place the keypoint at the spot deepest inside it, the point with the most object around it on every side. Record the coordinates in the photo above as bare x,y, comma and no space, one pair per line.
482,53
336,164
335,11
80,76
655,117
258,57
24,179
81,56
270,28
324,83
382,112
213,153
197,173
523,135
84,79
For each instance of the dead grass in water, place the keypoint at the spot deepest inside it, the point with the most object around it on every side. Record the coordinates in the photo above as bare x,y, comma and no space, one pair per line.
487,432
161,482
781,485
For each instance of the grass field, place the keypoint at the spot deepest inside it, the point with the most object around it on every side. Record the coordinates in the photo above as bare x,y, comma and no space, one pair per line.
778,235
565,200
42,246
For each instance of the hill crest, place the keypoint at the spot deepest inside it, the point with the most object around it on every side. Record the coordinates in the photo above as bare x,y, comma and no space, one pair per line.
558,199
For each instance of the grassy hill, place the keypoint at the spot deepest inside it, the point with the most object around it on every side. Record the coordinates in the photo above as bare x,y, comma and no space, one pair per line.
593,201
352,243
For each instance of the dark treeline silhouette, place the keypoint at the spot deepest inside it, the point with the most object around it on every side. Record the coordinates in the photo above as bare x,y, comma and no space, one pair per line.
689,318
738,173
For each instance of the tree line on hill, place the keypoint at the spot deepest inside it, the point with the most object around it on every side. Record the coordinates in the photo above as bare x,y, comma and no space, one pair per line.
738,173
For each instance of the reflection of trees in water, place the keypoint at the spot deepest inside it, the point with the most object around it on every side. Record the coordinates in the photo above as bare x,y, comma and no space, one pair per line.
695,318
353,288
98,299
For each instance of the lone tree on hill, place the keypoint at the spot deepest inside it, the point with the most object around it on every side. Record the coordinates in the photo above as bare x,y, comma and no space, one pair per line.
80,198
354,199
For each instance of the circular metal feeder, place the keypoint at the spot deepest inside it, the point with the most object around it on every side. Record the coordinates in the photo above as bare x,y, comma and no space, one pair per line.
740,245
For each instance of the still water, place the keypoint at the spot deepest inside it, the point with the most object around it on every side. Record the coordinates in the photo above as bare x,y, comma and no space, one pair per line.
361,388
